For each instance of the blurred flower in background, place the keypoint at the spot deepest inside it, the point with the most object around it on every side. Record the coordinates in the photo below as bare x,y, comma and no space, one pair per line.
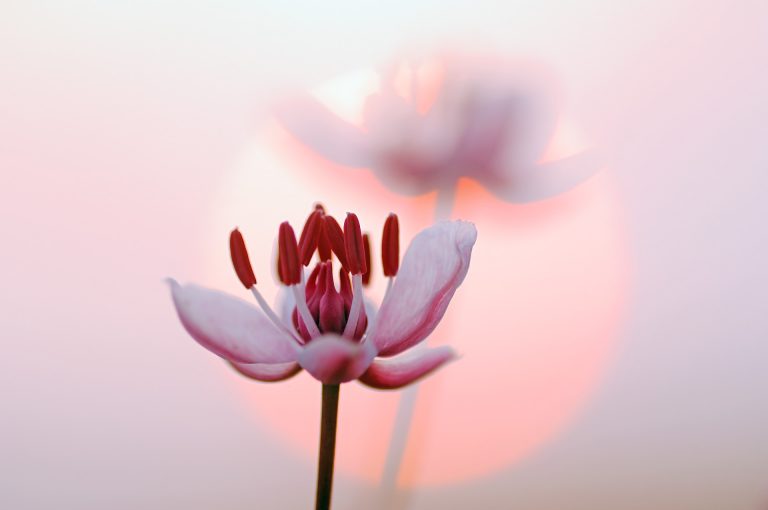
432,121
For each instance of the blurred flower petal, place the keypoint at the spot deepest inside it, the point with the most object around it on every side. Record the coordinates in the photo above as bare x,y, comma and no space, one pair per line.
314,125
484,118
545,180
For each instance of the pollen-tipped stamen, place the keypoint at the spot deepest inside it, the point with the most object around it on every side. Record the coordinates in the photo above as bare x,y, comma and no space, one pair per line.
354,246
314,288
310,235
390,246
306,316
357,306
368,267
291,274
288,257
240,260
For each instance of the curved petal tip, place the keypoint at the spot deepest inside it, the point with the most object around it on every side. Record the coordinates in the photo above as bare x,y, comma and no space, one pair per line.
394,373
267,372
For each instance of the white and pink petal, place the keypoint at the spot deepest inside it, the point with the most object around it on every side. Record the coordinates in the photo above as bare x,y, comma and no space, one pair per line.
433,267
394,373
231,327
267,372
333,359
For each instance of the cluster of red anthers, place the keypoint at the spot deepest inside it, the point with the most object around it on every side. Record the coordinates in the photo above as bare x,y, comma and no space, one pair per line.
321,308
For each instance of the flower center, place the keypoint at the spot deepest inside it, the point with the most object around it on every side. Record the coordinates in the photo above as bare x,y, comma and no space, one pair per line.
330,308
322,307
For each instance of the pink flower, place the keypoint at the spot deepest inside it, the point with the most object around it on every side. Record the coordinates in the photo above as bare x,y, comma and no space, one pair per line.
330,331
490,121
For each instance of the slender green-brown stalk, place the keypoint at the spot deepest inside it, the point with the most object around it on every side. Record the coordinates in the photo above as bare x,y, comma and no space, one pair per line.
327,446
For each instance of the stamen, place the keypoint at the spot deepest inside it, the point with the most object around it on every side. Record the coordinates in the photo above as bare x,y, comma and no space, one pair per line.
240,259
279,264
309,236
336,239
367,273
272,315
390,245
301,305
353,243
313,292
346,293
288,256
357,306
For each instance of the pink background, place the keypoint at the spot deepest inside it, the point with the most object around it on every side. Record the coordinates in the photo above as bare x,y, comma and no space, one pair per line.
124,129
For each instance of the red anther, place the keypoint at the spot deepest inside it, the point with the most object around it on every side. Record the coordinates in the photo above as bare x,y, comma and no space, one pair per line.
324,244
240,259
390,246
367,246
290,269
319,207
353,242
336,239
309,236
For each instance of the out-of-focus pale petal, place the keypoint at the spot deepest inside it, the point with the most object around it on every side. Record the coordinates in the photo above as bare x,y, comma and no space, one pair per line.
433,267
333,359
542,181
317,127
393,373
267,372
230,327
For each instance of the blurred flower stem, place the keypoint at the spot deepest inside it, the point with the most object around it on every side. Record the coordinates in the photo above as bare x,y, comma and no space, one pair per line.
330,408
388,500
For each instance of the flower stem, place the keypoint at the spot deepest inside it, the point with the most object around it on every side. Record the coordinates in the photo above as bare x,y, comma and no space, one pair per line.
327,446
